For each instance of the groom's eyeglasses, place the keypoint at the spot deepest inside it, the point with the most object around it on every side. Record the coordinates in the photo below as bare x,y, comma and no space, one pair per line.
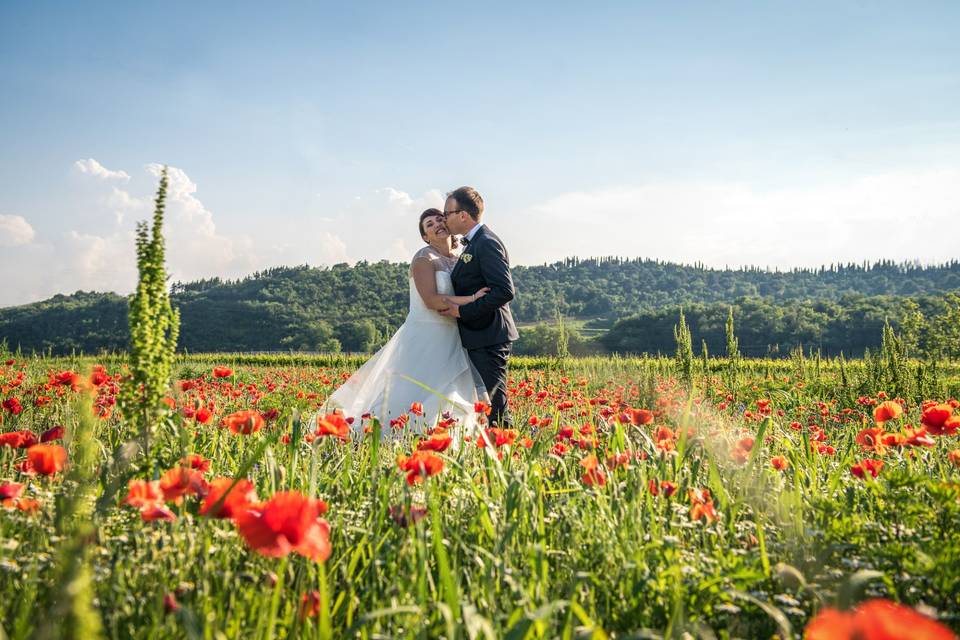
447,214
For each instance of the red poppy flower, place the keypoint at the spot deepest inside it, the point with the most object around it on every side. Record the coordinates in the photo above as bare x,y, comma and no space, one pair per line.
13,406
287,522
871,439
28,505
868,466
310,605
241,498
421,464
438,442
203,415
46,459
181,481
888,410
482,408
54,433
592,475
640,417
244,422
9,492
143,493
222,372
157,512
702,505
954,457
937,420
876,619
196,461
333,424
416,409
779,463
18,439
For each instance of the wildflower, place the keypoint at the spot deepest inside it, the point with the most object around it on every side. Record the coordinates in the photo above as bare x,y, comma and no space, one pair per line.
741,451
888,410
170,603
416,409
938,421
9,492
780,463
28,505
143,493
437,442
244,422
289,521
917,437
54,433
664,487
403,517
18,439
593,475
153,512
232,498
954,457
871,440
869,465
702,505
203,415
482,408
640,417
310,605
46,459
13,406
195,461
420,465
876,619
222,372
181,481
333,424
559,449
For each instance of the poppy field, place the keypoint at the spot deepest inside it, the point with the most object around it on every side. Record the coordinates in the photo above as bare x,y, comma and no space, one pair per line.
633,498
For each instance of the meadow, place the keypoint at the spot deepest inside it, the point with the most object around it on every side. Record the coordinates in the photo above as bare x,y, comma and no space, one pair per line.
634,498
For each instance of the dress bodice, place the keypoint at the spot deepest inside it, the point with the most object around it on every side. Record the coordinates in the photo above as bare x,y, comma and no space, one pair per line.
419,310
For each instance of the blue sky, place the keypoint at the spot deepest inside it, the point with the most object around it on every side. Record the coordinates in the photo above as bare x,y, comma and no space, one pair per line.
772,133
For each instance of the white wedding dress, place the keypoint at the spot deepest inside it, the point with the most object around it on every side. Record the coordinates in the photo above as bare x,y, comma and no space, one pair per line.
426,349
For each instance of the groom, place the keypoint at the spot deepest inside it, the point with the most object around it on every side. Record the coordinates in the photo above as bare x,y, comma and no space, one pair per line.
486,325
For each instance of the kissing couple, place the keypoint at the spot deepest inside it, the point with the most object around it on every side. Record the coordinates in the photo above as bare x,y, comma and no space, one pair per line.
451,353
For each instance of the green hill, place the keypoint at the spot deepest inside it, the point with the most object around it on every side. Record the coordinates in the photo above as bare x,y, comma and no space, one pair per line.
356,308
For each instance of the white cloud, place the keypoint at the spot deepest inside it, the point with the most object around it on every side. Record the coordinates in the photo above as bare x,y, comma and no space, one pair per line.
906,215
94,168
15,231
90,253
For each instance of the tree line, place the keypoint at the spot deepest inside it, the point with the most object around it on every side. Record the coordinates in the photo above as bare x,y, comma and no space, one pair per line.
635,301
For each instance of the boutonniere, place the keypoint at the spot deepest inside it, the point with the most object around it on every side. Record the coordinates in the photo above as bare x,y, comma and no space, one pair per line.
466,258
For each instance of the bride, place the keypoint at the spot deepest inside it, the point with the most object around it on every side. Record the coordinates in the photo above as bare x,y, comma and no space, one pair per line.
423,369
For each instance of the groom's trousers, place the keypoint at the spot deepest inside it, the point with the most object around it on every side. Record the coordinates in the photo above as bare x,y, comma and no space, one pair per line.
491,363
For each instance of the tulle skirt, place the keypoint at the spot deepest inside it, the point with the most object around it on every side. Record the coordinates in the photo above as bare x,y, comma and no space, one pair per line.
423,363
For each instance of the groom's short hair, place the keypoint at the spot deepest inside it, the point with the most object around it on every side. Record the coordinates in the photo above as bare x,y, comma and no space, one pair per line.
469,200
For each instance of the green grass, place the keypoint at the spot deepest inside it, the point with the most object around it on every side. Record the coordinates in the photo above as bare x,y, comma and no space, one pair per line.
515,547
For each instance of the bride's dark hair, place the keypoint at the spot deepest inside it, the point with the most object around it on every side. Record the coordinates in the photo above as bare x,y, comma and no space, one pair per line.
429,213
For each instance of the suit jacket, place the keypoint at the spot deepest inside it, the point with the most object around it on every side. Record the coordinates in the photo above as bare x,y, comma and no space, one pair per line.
487,321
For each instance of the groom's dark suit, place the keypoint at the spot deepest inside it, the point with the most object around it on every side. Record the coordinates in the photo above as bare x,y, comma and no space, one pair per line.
486,326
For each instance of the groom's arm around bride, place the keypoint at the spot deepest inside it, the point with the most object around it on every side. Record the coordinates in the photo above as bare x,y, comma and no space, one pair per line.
486,326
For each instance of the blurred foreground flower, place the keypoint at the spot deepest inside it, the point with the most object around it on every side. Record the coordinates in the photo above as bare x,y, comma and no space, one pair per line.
876,620
289,521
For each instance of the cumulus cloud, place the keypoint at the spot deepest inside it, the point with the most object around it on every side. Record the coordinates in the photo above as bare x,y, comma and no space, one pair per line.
905,215
93,251
15,231
94,168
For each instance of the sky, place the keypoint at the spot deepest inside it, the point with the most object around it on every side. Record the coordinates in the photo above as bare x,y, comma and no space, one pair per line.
778,134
